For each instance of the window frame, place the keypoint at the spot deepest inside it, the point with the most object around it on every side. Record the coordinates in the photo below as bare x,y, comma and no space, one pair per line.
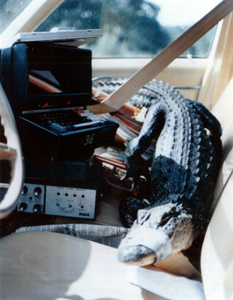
33,14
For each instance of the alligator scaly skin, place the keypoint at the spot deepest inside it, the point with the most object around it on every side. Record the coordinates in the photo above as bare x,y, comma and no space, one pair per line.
183,174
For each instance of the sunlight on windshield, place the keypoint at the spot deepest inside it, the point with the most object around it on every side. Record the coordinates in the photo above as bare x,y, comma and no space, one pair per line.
9,10
139,28
183,12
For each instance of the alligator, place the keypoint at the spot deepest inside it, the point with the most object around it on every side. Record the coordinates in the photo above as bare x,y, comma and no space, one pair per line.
184,170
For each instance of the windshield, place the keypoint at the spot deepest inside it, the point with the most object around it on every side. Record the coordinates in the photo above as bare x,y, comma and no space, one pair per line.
9,10
132,28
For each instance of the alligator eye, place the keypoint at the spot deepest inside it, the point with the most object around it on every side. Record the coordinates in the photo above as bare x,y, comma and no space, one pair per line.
165,218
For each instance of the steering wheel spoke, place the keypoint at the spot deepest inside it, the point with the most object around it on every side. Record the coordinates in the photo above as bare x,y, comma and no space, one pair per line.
10,150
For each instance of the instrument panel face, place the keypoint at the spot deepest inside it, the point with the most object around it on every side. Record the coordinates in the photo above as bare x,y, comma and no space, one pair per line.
72,202
32,198
57,200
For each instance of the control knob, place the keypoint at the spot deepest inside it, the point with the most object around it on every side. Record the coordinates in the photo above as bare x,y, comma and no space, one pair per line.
37,191
36,208
23,206
25,190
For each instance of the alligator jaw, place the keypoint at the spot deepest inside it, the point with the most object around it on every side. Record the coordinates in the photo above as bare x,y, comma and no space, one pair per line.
138,255
144,246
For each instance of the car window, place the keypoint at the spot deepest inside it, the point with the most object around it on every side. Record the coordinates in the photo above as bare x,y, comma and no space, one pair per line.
132,28
9,10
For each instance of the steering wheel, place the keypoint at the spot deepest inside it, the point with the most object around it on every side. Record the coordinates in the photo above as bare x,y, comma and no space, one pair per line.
11,151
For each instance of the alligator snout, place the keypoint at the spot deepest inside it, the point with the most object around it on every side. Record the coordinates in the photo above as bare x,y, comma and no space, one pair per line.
137,254
157,233
144,246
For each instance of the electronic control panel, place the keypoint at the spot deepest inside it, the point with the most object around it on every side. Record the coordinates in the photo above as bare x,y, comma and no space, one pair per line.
32,199
74,202
58,200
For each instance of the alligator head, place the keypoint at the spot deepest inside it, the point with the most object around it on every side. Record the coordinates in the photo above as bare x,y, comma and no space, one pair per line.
157,233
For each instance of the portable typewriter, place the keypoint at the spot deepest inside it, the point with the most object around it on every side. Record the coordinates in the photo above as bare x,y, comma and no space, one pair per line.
48,81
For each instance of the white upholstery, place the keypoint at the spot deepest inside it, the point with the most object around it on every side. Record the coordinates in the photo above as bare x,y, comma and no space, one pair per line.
224,107
217,250
49,266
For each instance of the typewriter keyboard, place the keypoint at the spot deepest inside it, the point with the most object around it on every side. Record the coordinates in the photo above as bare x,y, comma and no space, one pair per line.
68,120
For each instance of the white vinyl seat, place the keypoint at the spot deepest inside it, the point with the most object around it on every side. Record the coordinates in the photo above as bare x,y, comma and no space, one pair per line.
42,265
217,250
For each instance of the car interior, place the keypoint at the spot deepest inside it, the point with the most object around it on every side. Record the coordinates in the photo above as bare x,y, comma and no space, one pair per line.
61,185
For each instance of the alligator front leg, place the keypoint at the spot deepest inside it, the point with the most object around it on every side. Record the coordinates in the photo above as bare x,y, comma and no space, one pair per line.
151,129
